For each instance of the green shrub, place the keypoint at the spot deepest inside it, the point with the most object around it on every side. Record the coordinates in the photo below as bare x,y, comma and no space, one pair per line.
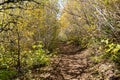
7,74
34,56
112,51
37,56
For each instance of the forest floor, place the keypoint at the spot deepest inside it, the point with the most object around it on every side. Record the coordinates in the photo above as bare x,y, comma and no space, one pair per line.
72,63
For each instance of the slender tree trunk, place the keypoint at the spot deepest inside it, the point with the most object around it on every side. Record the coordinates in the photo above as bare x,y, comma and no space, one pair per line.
18,51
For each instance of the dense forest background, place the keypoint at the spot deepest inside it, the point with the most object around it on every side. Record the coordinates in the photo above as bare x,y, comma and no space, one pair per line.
33,32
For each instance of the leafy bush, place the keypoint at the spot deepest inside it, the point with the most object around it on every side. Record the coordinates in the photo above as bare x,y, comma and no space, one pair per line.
37,56
112,51
6,74
34,56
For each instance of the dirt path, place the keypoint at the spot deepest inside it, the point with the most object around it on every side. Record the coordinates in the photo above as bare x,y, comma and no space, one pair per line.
73,64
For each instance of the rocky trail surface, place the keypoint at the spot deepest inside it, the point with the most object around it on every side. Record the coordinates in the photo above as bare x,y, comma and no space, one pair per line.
72,63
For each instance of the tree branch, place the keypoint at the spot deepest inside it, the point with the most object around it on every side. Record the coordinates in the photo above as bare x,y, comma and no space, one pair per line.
17,1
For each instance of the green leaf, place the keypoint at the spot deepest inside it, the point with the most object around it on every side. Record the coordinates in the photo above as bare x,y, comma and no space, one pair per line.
34,46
